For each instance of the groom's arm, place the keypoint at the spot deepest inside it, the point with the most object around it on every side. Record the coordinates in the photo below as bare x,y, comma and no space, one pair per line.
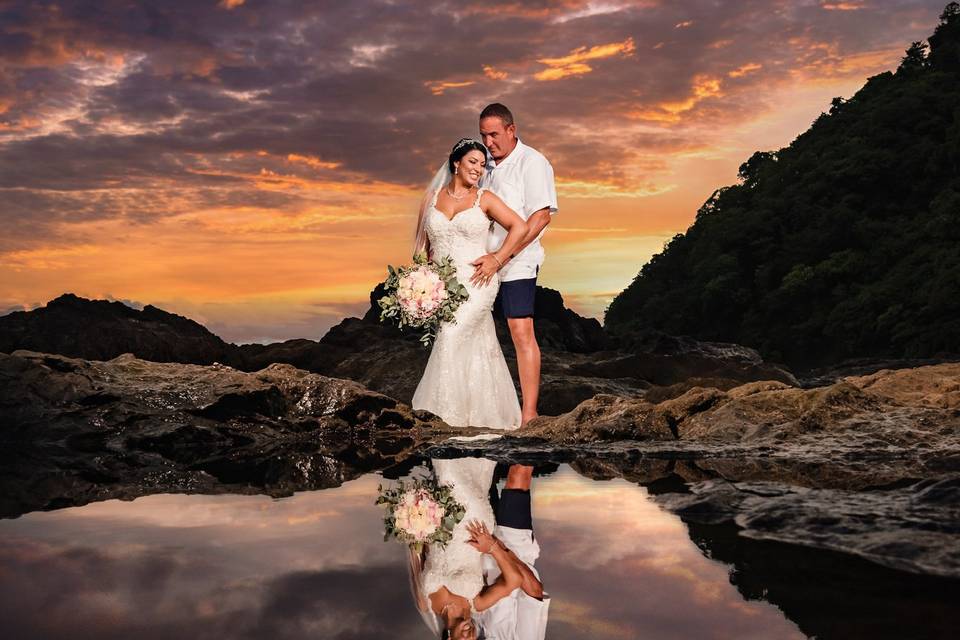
529,583
536,223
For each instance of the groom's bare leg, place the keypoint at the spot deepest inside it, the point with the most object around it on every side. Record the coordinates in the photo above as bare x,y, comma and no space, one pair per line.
528,365
519,477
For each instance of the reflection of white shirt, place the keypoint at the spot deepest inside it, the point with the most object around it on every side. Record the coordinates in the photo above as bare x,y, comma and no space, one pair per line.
524,181
518,616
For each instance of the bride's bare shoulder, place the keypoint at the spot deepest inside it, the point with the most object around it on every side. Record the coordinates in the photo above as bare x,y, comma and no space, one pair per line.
489,199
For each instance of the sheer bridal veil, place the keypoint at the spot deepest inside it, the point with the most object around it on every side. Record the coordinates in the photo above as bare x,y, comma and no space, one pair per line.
440,178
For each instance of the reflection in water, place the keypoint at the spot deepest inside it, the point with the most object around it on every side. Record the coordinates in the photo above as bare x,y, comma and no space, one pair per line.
483,582
315,566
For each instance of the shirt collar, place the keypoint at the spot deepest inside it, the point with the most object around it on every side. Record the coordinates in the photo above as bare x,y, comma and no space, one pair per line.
517,150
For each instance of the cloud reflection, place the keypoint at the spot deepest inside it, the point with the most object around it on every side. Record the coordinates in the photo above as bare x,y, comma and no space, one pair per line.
315,565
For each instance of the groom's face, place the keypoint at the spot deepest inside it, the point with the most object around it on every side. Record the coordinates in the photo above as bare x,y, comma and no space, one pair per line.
496,137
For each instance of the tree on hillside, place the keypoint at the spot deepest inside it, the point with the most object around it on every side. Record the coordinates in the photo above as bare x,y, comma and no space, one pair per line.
945,41
915,58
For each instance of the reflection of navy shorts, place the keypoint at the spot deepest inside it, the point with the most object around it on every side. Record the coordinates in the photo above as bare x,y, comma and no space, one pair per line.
513,509
515,297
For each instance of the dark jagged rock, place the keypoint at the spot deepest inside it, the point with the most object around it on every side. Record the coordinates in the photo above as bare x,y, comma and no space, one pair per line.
559,328
667,360
579,360
100,330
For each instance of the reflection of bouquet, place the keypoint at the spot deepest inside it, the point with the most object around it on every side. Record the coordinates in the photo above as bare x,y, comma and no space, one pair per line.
419,513
422,295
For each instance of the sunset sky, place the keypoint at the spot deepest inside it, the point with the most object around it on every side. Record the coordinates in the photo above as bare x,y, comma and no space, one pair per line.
255,165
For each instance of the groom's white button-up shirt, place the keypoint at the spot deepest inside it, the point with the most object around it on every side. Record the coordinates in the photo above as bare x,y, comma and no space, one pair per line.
524,181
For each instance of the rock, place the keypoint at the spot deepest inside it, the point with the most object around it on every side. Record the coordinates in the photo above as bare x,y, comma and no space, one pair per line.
898,409
824,376
666,360
100,330
578,358
89,427
935,386
602,418
912,528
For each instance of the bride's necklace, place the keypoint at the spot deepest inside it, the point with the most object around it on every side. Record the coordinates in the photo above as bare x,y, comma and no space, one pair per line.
450,193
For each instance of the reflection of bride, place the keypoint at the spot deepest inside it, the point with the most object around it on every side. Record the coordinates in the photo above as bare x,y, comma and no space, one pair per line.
447,582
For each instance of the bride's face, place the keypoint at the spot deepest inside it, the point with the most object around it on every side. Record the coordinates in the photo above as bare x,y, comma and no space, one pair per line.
471,167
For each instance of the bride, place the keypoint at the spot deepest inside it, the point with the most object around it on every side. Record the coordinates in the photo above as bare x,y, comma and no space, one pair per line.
466,381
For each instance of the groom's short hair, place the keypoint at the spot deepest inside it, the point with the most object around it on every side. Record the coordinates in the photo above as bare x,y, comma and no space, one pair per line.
497,110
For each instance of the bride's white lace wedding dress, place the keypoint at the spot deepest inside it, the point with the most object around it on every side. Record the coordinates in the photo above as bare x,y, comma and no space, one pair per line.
458,566
466,381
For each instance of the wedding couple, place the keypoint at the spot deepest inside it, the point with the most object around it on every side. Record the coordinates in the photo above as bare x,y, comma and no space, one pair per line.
486,209
483,582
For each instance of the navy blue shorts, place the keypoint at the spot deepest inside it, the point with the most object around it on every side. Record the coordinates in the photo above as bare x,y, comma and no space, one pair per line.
515,297
513,509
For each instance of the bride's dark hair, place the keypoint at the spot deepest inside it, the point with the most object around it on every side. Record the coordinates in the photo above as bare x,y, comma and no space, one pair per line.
464,146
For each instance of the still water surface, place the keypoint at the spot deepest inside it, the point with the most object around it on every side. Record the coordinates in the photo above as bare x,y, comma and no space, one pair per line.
314,565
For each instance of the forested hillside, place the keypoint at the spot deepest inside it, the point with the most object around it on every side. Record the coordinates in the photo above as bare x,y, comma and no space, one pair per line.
844,244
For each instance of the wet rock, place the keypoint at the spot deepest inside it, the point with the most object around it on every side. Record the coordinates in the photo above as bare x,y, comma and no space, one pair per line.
831,594
887,410
74,429
603,417
935,386
913,528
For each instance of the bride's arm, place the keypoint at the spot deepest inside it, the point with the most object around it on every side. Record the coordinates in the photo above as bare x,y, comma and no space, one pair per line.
497,210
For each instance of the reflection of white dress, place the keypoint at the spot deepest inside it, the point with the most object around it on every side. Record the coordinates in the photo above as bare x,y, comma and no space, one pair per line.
458,566
466,381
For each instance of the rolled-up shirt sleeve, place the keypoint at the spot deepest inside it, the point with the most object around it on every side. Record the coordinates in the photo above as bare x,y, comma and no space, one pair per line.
539,190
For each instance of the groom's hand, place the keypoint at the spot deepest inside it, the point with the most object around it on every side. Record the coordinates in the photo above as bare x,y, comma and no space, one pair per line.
484,268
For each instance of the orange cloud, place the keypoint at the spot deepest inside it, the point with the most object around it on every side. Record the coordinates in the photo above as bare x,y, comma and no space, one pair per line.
681,25
853,5
704,87
437,87
720,44
494,74
606,189
745,69
312,161
575,63
230,4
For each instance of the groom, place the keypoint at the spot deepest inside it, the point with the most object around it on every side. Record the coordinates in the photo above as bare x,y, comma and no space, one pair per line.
523,178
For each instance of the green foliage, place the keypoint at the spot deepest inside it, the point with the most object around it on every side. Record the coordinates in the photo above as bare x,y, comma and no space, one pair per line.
843,244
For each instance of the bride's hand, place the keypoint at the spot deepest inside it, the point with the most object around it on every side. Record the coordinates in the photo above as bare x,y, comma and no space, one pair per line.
484,269
481,539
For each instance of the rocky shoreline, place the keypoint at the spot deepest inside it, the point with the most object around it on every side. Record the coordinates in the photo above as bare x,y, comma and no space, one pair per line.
868,466
861,459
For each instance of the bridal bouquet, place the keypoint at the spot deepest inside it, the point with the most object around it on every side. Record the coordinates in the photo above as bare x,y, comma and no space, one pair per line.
422,295
422,512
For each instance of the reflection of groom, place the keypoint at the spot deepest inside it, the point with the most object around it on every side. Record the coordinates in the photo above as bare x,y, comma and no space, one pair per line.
522,615
523,178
